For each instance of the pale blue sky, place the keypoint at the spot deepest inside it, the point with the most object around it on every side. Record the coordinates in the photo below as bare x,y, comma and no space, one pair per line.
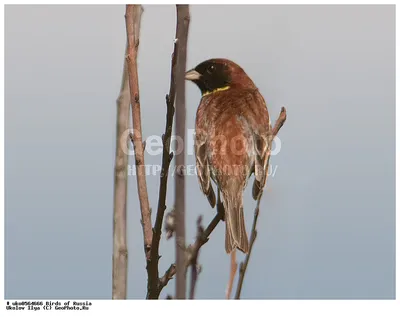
327,222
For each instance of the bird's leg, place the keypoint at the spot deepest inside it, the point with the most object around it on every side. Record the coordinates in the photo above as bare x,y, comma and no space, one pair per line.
220,206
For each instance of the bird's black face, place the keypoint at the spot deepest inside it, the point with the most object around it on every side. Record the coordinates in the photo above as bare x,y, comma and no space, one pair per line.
210,76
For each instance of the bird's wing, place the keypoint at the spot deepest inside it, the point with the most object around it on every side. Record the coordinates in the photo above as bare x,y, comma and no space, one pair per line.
262,135
202,166
262,147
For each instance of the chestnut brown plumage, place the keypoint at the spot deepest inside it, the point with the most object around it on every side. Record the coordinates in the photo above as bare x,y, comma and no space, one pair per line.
233,140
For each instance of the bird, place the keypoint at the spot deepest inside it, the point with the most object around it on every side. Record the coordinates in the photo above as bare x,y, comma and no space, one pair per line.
233,137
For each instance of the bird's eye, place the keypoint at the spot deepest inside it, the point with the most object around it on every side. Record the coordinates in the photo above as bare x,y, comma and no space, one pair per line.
210,69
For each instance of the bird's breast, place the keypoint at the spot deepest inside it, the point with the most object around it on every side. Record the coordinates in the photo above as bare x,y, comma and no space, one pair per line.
231,149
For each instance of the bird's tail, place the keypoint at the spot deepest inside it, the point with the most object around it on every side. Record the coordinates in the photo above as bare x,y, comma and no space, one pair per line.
235,235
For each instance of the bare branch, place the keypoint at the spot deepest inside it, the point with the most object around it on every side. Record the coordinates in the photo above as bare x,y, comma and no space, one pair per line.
154,289
169,274
200,241
253,236
279,122
183,19
132,17
193,258
243,266
120,250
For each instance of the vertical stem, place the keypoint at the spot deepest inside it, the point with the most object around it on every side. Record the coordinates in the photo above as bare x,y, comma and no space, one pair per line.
120,253
183,19
132,17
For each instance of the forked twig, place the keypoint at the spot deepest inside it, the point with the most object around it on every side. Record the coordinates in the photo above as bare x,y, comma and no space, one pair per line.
200,241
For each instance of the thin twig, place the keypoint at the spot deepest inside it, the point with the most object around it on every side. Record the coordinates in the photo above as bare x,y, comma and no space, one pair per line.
183,19
193,260
279,122
253,236
120,251
202,239
132,17
154,288
167,276
243,266
194,274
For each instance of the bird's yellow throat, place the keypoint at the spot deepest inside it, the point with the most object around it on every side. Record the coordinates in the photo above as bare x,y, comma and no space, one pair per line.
216,90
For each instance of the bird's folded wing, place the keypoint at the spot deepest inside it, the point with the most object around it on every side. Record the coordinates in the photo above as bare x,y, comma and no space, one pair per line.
262,147
202,166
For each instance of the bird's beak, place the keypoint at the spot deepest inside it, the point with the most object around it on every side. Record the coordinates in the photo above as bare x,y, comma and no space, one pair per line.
192,75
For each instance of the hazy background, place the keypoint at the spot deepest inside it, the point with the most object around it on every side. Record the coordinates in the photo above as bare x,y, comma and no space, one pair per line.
327,223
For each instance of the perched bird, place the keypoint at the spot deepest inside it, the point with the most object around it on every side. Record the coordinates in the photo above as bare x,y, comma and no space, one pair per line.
233,140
